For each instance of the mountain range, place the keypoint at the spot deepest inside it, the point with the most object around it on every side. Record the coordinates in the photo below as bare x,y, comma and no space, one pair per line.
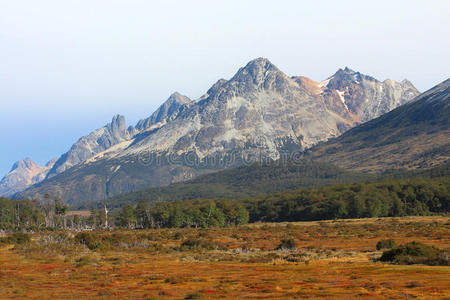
412,141
260,113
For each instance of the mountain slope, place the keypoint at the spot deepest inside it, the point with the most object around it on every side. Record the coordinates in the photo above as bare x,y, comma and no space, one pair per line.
263,179
243,182
415,135
259,114
23,174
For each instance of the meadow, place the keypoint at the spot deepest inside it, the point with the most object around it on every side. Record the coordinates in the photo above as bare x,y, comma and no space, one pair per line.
318,259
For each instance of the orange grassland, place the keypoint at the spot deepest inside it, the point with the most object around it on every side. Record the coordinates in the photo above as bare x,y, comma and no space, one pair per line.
335,259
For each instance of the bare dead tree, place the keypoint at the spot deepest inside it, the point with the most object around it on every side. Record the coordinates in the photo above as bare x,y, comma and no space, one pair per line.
105,207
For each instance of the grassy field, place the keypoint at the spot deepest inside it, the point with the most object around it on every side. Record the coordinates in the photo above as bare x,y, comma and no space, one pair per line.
333,259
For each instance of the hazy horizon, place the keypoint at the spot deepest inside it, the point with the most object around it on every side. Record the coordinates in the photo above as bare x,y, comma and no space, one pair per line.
68,67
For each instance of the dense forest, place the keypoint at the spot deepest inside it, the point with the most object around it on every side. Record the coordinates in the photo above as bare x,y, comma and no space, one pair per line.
389,198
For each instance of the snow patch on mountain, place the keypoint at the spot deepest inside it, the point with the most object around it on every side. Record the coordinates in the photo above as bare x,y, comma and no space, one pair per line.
342,98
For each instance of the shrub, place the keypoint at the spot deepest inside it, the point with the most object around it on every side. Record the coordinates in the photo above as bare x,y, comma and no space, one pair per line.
50,245
17,238
193,296
114,240
386,244
177,236
174,280
288,244
414,253
202,244
88,239
83,261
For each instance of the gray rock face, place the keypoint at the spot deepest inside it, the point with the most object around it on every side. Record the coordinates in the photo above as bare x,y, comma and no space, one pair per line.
366,97
358,97
97,141
259,112
23,174
167,110
256,108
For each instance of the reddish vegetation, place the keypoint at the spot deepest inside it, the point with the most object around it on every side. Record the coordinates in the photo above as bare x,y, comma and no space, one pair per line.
334,259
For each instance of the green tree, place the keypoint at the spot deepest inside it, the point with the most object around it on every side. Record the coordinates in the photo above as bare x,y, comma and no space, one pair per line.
60,211
144,217
127,217
6,213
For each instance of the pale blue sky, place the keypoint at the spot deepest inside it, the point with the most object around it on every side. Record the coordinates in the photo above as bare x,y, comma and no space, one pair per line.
66,67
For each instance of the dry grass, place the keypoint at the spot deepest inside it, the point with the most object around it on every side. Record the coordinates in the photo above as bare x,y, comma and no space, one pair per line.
334,259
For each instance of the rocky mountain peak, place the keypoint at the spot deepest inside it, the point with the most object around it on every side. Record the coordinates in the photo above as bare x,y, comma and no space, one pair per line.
169,109
97,141
23,174
118,125
348,70
344,77
406,82
177,98
257,70
51,162
259,74
363,97
23,164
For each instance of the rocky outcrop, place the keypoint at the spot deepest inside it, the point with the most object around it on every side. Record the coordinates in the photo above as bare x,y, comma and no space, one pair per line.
23,174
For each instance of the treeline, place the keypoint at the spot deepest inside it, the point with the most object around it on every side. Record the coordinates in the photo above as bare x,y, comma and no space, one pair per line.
392,198
20,214
195,213
263,179
32,214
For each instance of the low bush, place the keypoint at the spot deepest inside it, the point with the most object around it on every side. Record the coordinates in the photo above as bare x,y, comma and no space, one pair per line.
88,239
83,261
386,244
288,244
193,296
192,243
416,253
17,238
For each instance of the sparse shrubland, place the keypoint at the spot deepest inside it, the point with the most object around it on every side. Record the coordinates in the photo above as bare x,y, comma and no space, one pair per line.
270,259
